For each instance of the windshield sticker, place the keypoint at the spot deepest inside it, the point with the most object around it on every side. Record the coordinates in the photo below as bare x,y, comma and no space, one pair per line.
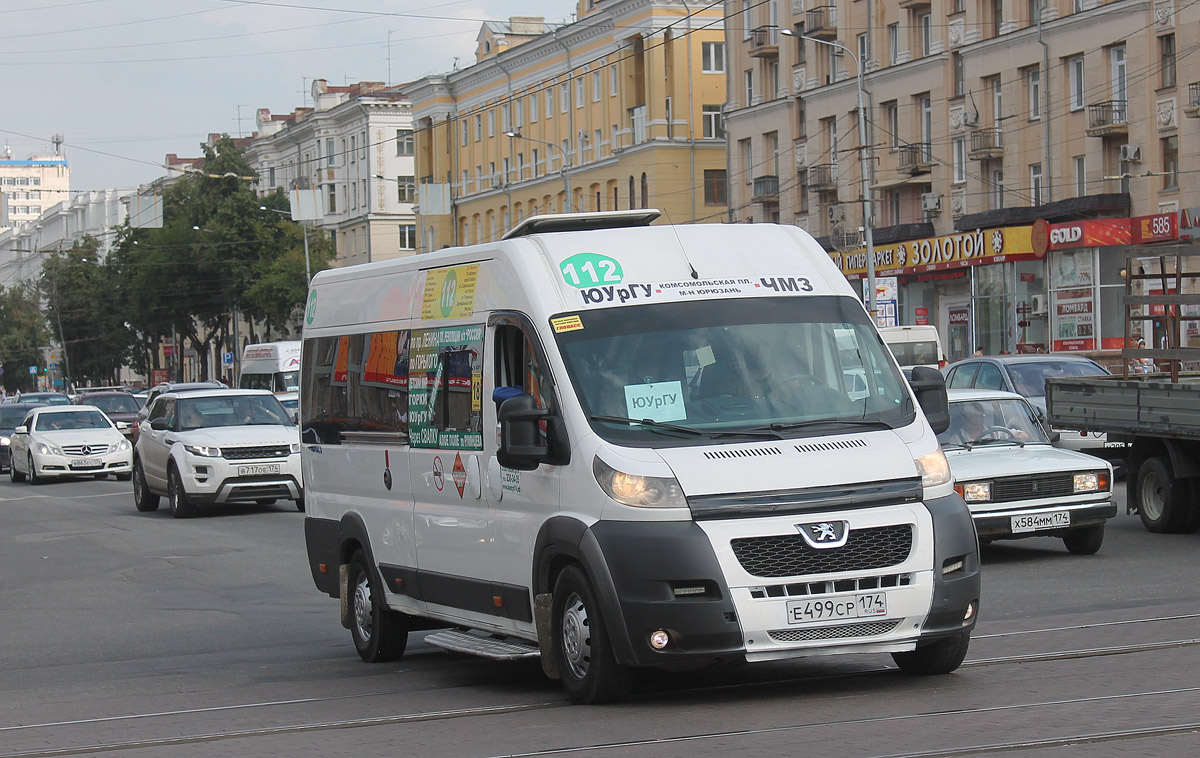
585,270
660,401
566,324
695,289
449,292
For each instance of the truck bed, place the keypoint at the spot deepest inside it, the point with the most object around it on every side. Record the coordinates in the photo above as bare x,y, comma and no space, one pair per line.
1143,405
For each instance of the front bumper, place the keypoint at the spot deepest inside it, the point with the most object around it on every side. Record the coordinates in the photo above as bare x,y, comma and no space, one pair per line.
217,480
50,466
998,524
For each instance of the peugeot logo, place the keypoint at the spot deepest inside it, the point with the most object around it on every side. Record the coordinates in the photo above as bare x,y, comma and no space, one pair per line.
825,534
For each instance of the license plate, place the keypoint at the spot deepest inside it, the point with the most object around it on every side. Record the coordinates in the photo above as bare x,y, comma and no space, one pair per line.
87,463
1037,521
835,608
1114,444
272,468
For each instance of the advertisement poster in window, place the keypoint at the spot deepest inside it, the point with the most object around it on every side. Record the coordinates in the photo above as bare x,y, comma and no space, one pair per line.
445,388
387,360
1075,327
342,364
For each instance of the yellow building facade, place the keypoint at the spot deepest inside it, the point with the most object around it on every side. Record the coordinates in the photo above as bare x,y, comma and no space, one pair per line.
620,109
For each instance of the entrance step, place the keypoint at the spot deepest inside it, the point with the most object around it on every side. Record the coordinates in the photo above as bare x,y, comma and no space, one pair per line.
483,644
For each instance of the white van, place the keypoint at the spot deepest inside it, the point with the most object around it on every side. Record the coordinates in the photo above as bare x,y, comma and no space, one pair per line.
915,345
273,366
619,445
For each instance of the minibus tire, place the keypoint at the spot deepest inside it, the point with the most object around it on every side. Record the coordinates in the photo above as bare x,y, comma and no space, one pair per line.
379,635
589,669
939,657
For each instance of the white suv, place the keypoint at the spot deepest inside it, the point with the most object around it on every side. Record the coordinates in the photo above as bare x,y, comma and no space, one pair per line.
216,446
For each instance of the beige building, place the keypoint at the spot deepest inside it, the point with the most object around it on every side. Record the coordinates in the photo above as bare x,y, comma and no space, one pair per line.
31,186
976,129
623,106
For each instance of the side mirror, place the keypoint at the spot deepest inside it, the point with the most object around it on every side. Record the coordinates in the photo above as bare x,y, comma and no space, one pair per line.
21,430
523,443
122,426
1055,437
160,424
930,388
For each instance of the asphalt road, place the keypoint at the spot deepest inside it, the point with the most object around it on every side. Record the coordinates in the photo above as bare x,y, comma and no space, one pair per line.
130,634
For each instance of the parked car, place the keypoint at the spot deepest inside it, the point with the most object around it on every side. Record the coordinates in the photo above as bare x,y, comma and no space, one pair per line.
59,441
118,405
45,398
216,446
11,416
1015,482
1026,375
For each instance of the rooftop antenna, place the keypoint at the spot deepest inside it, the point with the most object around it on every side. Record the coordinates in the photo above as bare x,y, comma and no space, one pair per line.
7,152
455,66
57,140
239,119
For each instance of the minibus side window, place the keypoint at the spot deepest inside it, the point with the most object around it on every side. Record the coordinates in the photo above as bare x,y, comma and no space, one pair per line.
446,388
519,365
322,395
381,395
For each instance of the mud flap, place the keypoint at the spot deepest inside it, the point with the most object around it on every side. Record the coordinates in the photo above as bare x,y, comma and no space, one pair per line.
344,593
542,605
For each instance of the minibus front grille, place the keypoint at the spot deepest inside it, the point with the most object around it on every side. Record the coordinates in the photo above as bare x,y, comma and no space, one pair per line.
805,500
790,555
825,447
841,631
827,587
248,453
747,452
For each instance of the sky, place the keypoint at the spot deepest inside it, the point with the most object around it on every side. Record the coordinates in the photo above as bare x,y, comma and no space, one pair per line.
127,81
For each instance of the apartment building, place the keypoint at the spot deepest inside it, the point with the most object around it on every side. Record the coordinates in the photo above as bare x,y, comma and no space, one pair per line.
1015,152
619,109
30,186
355,143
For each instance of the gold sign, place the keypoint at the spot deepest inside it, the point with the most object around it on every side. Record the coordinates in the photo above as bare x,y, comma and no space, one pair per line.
938,253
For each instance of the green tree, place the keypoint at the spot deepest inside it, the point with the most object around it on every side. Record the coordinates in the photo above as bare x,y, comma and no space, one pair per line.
23,334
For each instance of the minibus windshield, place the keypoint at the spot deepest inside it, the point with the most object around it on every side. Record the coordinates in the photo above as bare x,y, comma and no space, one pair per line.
793,366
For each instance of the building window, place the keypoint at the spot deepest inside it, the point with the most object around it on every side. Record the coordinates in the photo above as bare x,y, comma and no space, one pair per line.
960,159
533,159
463,132
1035,183
1075,80
926,24
1080,175
564,96
997,189
579,92
408,237
747,153
959,6
505,119
518,107
549,102
997,16
864,47
749,86
332,198
771,149
713,128
404,142
406,189
960,74
712,57
801,49
1170,163
533,109
1035,12
1166,54
893,35
596,87
1034,80
329,154
891,113
645,191
478,126
353,151
715,192
492,122
612,80
926,129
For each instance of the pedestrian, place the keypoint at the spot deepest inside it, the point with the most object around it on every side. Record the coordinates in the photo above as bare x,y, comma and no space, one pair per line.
1142,365
1005,352
979,352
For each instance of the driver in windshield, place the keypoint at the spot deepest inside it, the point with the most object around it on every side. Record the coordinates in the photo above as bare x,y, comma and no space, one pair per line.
970,425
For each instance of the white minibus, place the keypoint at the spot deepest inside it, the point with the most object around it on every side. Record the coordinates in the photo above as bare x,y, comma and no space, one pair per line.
615,445
273,366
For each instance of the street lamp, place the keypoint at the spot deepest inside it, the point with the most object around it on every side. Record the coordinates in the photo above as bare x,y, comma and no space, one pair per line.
566,179
868,238
307,271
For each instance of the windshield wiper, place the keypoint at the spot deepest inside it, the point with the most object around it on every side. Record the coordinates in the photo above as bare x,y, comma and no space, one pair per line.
656,425
826,422
991,441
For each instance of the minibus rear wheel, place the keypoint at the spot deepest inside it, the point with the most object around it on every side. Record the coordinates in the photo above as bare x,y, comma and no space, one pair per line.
379,634
589,670
939,657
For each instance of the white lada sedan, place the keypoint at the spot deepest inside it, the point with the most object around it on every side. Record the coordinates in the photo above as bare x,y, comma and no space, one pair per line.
55,441
1015,482
216,446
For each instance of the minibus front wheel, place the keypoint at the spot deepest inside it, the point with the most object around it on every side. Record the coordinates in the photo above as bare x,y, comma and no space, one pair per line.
589,670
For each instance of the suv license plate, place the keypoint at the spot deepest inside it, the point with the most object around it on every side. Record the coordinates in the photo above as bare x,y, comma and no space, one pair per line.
87,463
272,468
834,608
1036,521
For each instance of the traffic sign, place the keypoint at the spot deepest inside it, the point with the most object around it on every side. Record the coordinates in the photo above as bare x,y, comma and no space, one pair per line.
227,358
53,367
33,369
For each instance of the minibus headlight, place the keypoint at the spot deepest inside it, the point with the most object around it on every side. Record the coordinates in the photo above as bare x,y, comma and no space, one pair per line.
636,490
974,492
934,468
204,451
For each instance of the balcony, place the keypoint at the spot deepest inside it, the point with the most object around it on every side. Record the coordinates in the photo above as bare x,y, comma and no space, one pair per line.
764,42
821,22
915,5
986,144
1108,118
766,188
1192,109
821,178
916,158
